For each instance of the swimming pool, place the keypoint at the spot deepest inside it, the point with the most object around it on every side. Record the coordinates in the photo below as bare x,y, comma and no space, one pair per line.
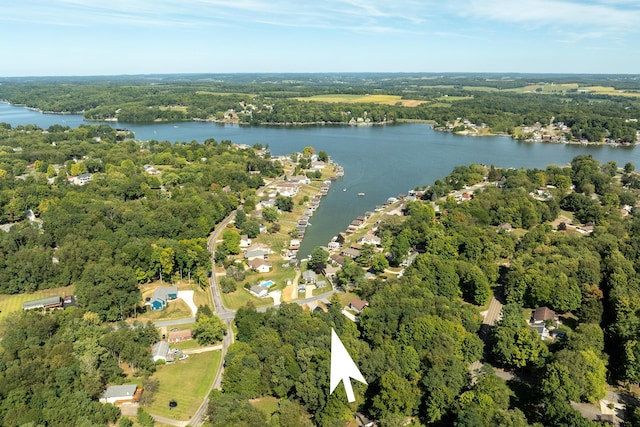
267,283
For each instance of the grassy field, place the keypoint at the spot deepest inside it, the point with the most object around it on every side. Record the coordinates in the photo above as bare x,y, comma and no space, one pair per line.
187,382
362,99
241,297
267,405
12,303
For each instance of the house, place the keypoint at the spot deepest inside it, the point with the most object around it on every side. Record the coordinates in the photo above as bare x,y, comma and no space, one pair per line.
294,244
321,284
363,420
259,291
338,259
121,394
370,239
350,252
299,179
287,189
333,246
81,179
161,296
330,271
160,351
541,330
256,254
505,227
245,241
179,336
43,303
260,265
542,314
358,305
309,276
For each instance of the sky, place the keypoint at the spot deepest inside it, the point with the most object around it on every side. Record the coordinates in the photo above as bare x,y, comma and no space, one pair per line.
116,37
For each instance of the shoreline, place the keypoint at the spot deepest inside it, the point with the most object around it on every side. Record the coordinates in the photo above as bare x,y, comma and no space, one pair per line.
327,123
480,135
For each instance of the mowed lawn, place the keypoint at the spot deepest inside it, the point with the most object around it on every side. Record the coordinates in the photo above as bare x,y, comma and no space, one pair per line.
11,303
185,381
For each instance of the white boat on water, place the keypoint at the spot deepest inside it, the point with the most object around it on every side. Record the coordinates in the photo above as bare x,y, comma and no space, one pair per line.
361,194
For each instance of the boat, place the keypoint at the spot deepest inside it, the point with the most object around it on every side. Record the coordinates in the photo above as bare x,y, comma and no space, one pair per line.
360,194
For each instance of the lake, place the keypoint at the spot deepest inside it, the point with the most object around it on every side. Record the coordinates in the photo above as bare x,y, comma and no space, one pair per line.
379,161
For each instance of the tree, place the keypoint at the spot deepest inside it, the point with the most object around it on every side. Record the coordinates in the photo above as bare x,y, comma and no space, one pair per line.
473,283
284,203
240,218
209,329
270,213
379,263
227,285
231,241
251,229
629,167
366,255
396,395
318,259
514,344
108,290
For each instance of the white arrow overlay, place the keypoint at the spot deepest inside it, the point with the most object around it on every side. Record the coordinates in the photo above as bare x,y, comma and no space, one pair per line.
342,368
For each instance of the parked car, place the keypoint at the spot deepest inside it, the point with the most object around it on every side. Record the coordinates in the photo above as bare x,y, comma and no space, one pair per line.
184,356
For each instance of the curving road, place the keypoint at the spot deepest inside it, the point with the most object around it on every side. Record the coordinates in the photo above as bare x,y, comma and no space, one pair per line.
227,316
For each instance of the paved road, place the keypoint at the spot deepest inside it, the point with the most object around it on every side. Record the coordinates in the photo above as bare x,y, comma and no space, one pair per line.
221,311
227,316
165,323
492,315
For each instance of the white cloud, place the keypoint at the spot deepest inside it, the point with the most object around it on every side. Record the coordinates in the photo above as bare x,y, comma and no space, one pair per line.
601,14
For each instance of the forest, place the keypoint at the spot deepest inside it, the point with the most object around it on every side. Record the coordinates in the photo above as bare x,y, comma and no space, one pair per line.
594,107
415,341
129,225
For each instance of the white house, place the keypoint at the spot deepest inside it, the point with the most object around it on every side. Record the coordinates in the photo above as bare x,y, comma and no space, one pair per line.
120,394
245,241
260,265
259,291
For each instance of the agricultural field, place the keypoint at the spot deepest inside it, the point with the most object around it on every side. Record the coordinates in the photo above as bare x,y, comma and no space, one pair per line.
362,99
187,382
12,303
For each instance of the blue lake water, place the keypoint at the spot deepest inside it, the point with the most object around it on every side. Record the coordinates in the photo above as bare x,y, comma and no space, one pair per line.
379,161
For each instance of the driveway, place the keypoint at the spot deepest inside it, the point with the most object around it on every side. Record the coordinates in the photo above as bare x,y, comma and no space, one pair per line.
276,297
187,297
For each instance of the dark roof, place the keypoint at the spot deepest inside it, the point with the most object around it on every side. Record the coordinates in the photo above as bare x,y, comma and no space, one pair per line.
543,314
358,303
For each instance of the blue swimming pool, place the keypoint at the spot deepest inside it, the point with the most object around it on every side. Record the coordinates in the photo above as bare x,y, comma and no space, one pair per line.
267,283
